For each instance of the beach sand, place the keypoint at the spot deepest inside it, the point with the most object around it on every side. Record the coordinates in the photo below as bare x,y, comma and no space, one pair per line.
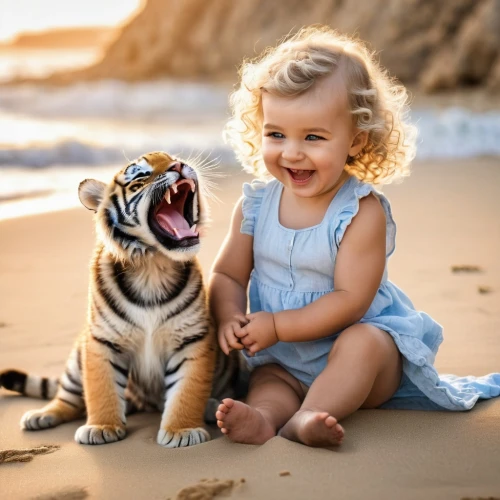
447,215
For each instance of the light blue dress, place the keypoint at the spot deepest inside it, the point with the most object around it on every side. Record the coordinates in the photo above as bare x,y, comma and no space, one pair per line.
292,268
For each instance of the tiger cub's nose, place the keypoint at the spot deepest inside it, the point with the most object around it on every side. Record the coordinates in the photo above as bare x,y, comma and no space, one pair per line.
176,166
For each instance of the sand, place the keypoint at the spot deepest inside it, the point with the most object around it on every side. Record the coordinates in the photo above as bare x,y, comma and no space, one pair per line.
447,215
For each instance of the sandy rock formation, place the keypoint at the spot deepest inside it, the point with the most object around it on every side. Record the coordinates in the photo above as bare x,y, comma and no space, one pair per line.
437,45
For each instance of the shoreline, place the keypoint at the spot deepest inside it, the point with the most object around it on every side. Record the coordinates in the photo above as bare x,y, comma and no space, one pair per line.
53,196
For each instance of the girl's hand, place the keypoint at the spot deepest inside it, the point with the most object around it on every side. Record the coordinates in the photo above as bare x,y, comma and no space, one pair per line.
227,334
259,333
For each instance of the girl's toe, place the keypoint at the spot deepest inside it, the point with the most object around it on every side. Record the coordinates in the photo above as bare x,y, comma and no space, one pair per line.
330,422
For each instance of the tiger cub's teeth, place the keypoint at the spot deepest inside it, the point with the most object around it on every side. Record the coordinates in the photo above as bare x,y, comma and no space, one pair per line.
167,196
174,188
192,184
193,228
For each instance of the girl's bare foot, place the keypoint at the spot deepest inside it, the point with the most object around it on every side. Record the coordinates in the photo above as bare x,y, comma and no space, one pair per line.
242,423
313,428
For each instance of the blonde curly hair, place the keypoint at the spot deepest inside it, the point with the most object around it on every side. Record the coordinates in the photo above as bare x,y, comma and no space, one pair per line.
377,103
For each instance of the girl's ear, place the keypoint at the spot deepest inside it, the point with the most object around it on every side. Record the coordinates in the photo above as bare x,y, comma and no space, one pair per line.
358,143
90,193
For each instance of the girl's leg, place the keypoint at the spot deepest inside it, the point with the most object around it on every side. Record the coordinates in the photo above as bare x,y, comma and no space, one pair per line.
273,397
363,371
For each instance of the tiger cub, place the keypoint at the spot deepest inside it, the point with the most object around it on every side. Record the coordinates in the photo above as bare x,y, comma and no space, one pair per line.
148,340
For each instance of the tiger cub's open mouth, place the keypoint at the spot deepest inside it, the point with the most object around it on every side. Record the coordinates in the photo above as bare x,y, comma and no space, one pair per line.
173,217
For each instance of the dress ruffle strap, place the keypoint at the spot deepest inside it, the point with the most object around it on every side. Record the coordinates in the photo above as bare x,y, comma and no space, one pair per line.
252,201
350,210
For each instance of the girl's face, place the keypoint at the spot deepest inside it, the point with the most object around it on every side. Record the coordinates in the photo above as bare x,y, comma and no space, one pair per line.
307,138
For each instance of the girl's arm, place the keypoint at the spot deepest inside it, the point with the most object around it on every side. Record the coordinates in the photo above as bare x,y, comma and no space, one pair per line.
227,289
358,272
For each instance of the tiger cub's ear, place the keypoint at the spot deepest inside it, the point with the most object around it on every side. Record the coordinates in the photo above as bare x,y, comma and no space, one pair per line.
91,193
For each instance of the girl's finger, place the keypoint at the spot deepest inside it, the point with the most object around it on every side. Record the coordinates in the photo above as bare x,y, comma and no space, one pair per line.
233,341
254,348
241,332
246,341
223,345
241,318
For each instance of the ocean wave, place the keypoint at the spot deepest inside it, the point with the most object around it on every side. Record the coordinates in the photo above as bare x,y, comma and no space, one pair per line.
457,133
95,123
453,133
116,99
73,152
69,152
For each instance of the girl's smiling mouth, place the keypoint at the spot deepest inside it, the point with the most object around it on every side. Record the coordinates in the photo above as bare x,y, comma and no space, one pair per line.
300,176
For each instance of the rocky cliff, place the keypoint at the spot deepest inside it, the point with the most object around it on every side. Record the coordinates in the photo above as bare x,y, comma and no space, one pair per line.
432,44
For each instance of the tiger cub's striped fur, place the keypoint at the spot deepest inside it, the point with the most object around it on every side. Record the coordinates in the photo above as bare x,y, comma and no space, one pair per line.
148,341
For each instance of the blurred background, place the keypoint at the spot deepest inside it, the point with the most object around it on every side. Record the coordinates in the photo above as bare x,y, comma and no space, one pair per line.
86,86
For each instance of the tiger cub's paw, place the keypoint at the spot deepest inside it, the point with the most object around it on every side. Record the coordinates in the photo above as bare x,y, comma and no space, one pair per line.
36,420
99,434
183,437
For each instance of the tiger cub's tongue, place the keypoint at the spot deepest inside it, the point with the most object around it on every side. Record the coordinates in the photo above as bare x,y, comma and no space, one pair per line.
174,223
301,175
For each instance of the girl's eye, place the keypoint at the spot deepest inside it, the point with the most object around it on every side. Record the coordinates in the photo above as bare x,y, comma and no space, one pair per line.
314,137
276,135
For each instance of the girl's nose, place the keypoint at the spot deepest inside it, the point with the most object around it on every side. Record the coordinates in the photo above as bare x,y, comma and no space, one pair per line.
291,152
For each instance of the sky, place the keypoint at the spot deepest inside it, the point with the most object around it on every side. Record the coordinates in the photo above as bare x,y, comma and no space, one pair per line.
37,15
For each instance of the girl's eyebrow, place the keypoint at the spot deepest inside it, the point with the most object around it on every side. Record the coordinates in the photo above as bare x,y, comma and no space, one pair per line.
269,125
318,129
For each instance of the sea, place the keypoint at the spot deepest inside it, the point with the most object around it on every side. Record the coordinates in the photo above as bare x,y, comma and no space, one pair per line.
51,138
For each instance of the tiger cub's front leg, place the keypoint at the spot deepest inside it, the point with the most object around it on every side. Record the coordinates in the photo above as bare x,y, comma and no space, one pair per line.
105,375
188,382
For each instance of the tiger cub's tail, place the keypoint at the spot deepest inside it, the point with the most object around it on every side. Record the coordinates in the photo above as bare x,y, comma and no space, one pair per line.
231,379
29,385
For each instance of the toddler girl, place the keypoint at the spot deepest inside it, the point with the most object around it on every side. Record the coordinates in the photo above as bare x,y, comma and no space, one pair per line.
320,123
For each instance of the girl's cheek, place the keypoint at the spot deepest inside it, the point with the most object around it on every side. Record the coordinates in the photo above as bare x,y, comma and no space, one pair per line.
267,153
270,159
269,149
